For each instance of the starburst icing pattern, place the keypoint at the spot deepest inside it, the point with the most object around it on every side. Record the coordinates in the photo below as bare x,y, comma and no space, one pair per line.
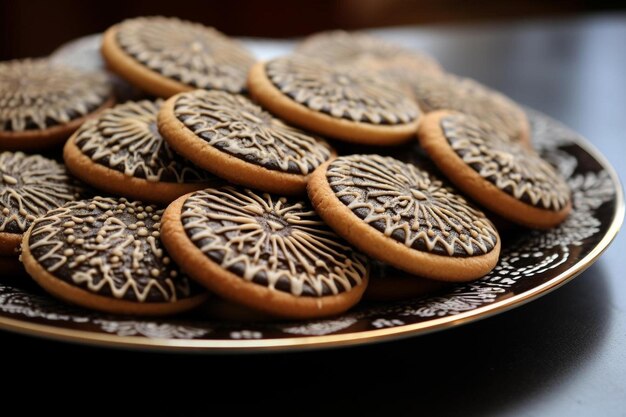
448,92
191,53
510,166
109,247
343,47
30,186
36,94
410,206
272,241
342,91
125,138
235,125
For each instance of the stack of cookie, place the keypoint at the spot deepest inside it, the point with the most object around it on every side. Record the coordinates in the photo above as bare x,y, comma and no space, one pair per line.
290,187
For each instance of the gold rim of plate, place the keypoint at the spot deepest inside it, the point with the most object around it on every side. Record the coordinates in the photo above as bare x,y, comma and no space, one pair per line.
345,339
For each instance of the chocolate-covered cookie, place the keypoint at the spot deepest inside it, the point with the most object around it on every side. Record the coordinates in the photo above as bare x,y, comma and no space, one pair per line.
237,140
402,215
345,102
42,103
106,254
506,177
165,56
361,49
270,253
122,152
449,92
30,186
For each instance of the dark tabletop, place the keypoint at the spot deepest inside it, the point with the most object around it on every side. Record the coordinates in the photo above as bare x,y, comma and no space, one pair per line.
563,354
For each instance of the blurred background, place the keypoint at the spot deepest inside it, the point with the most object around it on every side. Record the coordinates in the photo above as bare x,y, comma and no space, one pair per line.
37,27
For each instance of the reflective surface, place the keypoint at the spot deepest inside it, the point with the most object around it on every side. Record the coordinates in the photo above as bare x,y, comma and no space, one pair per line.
563,354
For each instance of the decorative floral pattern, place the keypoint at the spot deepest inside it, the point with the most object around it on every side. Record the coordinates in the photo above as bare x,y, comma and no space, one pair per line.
276,242
191,53
109,247
125,138
344,92
510,166
235,125
30,185
533,259
37,94
409,205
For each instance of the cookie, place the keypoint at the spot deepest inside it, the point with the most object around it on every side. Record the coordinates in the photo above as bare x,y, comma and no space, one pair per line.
105,254
400,214
84,54
165,56
269,253
391,284
505,176
237,140
341,101
30,186
360,49
42,103
122,152
449,92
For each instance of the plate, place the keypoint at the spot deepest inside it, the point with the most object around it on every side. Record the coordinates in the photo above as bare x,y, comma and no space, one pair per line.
532,263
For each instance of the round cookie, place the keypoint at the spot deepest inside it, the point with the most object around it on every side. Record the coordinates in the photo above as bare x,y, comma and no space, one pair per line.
269,253
42,103
400,214
360,49
30,186
237,140
449,92
506,177
84,54
165,56
105,254
391,284
341,101
122,152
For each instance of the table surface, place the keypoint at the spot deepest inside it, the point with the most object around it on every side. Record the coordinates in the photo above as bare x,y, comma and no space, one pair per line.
563,354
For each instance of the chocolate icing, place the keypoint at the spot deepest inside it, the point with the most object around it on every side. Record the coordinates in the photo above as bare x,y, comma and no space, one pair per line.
29,187
109,247
272,241
191,53
449,92
510,166
342,91
36,94
125,138
235,125
410,206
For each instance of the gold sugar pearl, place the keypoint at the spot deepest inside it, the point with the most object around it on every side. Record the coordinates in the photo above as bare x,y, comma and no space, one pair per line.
68,252
6,211
154,272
